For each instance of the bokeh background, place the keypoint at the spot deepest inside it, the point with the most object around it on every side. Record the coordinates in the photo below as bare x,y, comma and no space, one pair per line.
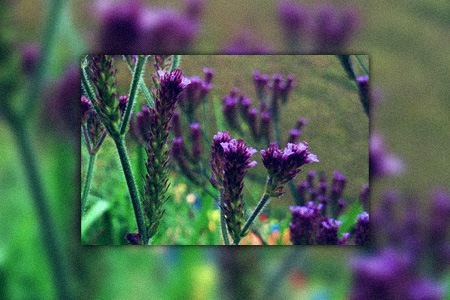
409,63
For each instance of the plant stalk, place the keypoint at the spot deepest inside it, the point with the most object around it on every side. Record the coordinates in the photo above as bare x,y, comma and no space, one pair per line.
51,242
255,213
223,225
134,195
87,183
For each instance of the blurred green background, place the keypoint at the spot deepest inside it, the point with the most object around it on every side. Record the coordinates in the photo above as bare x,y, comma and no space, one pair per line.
409,62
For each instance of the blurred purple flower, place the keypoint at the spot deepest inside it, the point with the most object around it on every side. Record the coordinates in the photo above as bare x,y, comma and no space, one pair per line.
382,163
246,42
131,26
334,28
260,82
30,54
229,107
194,9
295,22
193,95
196,136
364,92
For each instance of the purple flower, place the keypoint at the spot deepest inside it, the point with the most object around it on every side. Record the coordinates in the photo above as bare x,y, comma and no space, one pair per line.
176,123
193,94
294,134
194,9
302,226
283,166
364,195
178,147
260,82
140,125
286,88
295,21
216,158
62,104
246,42
209,74
123,101
166,31
230,106
301,122
362,234
364,92
120,28
85,109
334,28
252,115
235,159
30,56
327,232
382,163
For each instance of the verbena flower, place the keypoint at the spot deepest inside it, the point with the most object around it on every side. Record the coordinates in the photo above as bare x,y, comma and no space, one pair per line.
216,158
295,22
235,159
156,180
327,232
260,82
364,92
140,124
246,42
362,233
283,166
194,94
303,223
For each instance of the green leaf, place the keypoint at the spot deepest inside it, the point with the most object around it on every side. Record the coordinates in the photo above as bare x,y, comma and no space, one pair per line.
349,218
95,212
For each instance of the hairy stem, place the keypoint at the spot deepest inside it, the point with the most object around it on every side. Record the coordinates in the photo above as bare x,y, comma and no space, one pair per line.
134,195
51,242
88,180
255,213
223,225
136,80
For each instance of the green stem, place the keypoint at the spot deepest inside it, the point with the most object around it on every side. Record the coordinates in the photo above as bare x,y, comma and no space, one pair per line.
255,213
48,41
87,86
223,225
363,66
87,183
148,96
176,59
137,76
51,242
134,195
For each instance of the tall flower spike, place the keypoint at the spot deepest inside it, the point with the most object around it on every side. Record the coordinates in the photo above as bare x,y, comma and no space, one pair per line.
283,166
156,181
103,75
236,160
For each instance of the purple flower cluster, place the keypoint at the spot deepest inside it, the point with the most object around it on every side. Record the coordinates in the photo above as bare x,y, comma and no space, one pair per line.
413,247
329,204
283,166
390,275
229,166
195,93
131,26
309,227
324,29
246,42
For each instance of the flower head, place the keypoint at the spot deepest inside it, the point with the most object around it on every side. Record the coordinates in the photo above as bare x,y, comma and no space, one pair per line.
327,232
302,226
236,159
217,158
284,165
362,236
